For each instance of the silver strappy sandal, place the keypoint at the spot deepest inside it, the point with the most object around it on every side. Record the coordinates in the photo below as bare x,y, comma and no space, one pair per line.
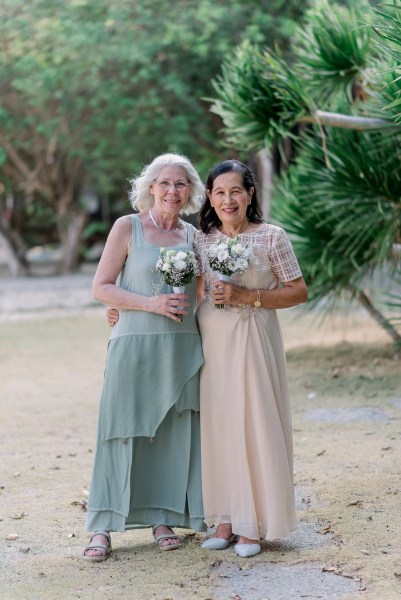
166,536
106,550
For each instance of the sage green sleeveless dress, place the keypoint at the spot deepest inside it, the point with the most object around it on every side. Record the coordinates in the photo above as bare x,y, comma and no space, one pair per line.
147,462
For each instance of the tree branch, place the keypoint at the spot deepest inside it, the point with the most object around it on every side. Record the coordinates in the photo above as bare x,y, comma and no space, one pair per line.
347,121
15,157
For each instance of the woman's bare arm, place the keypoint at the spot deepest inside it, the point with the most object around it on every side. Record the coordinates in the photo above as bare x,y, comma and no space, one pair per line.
106,291
290,294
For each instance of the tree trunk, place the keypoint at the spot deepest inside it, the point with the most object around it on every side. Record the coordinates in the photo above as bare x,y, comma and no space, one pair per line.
264,169
12,244
16,262
70,227
377,315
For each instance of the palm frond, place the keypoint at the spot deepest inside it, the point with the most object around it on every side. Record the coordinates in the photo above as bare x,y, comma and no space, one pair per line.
389,27
389,31
333,50
384,89
345,220
259,98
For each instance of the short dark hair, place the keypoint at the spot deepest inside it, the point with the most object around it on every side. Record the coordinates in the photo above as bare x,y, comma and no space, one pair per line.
208,218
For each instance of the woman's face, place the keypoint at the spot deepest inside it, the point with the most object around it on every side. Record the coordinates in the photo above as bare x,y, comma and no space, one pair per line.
171,190
229,198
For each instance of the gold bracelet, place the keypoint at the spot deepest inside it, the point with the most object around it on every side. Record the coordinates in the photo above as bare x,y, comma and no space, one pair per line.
257,303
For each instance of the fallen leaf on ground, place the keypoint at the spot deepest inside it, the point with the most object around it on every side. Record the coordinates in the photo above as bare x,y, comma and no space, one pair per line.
357,503
216,563
330,569
327,529
336,569
81,503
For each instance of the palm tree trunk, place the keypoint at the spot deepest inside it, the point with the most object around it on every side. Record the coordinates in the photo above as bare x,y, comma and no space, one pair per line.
377,315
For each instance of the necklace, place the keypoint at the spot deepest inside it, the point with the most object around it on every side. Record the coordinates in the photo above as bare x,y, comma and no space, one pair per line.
238,232
162,228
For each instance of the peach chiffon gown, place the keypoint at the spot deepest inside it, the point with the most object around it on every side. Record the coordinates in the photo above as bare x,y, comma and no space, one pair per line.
246,431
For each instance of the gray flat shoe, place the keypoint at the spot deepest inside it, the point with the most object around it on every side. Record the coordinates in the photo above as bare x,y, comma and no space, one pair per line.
247,550
215,543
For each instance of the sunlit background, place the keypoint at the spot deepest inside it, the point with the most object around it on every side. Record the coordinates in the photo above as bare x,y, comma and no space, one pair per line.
306,92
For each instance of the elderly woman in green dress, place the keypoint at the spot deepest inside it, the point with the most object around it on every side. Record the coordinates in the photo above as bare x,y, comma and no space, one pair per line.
147,463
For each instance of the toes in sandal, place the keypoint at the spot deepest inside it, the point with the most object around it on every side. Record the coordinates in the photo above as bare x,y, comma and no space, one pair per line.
166,536
106,550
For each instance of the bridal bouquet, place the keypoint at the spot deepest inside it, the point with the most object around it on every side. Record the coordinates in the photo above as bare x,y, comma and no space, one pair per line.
177,269
228,256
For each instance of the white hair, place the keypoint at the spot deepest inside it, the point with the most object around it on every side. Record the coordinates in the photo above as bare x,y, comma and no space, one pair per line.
140,197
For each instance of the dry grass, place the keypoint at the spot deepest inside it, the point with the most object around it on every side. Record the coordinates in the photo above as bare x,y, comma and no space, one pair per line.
347,472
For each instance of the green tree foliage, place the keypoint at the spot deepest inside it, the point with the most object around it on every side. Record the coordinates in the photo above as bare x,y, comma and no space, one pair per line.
92,90
341,197
333,50
259,98
389,31
330,211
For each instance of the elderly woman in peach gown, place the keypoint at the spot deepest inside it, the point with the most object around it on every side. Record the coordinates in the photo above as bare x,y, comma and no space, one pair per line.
246,436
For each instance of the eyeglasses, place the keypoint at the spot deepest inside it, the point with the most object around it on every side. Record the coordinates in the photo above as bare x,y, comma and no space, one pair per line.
180,186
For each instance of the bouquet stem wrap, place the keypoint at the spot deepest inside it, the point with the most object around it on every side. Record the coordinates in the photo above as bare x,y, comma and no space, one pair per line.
179,289
177,269
222,277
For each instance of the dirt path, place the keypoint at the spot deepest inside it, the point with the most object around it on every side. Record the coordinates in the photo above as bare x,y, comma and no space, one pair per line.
345,384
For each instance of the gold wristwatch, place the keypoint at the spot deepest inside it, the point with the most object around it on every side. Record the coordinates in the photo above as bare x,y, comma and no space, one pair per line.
257,303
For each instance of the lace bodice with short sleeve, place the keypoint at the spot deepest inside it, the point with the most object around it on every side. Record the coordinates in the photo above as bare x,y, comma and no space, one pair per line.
272,259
